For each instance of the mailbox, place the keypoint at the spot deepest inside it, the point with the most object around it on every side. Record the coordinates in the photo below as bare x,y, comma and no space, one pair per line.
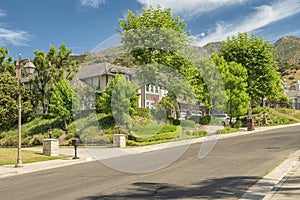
75,142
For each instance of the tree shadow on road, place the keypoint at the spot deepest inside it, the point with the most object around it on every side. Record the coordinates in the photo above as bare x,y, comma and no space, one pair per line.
215,188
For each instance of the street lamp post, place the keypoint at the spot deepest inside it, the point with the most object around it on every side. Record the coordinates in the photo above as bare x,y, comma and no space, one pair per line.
29,68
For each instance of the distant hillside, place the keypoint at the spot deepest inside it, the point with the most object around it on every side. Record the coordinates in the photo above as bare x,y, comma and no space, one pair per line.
287,53
286,49
115,55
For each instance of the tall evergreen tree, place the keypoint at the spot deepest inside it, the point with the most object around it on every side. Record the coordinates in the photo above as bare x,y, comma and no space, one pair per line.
50,69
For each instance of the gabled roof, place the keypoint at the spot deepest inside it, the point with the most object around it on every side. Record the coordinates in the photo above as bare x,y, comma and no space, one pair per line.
105,68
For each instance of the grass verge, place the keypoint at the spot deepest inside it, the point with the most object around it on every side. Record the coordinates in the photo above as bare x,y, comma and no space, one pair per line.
8,156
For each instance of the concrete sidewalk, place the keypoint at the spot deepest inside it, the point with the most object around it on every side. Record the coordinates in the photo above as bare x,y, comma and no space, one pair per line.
285,179
282,183
289,187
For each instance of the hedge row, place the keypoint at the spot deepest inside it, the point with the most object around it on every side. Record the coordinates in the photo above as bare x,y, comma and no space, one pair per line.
158,136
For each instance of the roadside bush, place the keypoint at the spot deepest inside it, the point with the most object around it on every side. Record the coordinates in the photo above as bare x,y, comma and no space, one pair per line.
200,133
216,121
37,140
159,136
237,124
227,130
196,119
9,142
70,135
71,130
56,133
187,123
106,122
258,110
204,120
285,110
93,135
168,128
297,116
176,122
143,112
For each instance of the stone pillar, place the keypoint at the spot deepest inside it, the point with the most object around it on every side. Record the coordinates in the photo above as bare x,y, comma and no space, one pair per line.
50,147
119,140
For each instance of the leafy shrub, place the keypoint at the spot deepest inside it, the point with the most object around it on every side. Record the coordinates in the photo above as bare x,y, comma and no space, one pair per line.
297,115
159,136
37,140
237,124
216,121
71,130
258,110
106,122
200,133
93,135
204,120
187,124
168,128
56,133
151,129
227,130
196,119
176,122
158,114
143,112
9,142
285,110
70,135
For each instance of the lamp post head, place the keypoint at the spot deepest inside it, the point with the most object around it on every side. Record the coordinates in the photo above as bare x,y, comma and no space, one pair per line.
29,67
119,128
50,132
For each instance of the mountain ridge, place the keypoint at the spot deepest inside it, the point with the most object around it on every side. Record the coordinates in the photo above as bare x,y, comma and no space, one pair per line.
286,53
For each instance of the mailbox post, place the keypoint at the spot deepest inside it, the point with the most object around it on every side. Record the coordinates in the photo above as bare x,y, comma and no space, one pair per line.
75,143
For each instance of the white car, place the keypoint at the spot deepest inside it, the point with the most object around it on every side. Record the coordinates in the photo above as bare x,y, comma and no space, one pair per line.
224,117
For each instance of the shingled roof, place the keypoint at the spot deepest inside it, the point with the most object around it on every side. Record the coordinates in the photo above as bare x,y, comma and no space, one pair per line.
98,69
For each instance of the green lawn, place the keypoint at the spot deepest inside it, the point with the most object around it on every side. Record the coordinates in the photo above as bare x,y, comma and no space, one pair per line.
9,156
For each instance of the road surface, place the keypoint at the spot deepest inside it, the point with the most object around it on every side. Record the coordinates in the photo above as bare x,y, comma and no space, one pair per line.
231,167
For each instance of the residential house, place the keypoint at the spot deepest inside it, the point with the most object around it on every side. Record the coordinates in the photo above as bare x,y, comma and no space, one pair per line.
98,76
294,96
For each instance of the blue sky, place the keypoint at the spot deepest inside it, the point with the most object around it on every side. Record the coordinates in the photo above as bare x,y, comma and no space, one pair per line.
83,24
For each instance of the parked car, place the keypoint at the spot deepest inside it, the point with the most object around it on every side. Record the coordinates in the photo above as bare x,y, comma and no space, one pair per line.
224,117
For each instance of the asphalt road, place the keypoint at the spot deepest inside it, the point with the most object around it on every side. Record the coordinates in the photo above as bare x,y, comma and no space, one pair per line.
233,165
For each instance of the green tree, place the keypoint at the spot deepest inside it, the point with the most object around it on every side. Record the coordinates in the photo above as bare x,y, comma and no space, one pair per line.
124,101
153,34
155,38
258,58
61,101
50,68
6,64
9,100
234,77
122,90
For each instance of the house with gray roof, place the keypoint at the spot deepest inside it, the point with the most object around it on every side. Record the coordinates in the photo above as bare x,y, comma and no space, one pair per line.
294,96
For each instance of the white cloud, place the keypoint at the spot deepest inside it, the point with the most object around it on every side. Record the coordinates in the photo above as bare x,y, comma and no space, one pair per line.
262,16
191,8
2,13
17,38
14,37
92,3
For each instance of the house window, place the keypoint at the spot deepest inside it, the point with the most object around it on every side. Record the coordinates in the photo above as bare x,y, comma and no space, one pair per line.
151,88
147,104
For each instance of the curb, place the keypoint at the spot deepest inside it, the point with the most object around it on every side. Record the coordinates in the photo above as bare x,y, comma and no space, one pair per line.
271,183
